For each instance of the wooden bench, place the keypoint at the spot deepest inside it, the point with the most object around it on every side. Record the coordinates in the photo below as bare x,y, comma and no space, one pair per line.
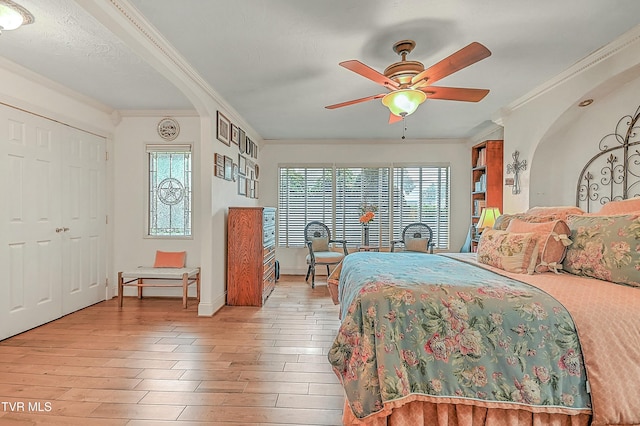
159,277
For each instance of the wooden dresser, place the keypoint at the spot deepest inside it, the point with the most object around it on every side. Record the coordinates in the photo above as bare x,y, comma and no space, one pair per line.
251,255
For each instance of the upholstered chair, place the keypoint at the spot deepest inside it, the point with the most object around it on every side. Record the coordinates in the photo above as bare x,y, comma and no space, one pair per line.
318,239
416,237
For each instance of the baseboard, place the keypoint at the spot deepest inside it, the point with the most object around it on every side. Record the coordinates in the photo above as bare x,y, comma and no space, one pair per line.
208,309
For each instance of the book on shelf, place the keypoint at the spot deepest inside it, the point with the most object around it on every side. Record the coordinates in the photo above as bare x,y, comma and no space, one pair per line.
482,158
481,184
478,205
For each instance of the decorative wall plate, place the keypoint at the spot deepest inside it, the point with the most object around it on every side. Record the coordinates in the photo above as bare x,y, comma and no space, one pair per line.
168,129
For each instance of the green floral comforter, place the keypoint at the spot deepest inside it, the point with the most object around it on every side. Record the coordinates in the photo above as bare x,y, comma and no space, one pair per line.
428,325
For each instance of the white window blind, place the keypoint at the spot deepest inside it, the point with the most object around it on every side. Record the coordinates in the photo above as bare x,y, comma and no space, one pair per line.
357,187
335,196
305,194
421,194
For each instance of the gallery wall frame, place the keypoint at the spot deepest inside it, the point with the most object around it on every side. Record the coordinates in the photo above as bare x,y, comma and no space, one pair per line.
219,165
235,134
224,129
228,168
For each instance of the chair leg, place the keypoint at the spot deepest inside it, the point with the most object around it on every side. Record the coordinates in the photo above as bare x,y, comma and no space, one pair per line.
308,273
185,289
328,272
120,289
313,277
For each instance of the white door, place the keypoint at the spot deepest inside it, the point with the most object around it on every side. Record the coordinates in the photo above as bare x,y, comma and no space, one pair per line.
83,217
30,261
43,275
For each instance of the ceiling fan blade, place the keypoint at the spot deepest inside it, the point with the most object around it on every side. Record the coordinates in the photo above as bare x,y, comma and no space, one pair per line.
455,93
355,101
368,72
464,57
394,118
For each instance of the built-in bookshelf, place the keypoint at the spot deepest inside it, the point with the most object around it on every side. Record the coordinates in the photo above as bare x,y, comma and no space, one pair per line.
486,178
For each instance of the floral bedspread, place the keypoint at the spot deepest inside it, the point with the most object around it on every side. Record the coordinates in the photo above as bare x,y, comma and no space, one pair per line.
428,327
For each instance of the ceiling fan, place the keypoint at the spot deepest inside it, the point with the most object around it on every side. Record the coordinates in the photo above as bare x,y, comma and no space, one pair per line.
409,84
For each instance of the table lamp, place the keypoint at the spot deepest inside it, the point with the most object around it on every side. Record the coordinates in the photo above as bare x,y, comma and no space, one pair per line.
487,218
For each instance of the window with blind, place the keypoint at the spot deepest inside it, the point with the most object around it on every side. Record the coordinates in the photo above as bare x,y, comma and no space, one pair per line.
421,194
356,188
304,194
336,195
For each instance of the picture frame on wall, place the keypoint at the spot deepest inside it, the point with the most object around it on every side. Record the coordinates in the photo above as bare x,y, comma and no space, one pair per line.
242,185
241,141
235,134
242,165
219,165
228,168
249,146
224,129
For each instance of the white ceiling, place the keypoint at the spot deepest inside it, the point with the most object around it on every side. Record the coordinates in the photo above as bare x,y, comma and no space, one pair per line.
275,62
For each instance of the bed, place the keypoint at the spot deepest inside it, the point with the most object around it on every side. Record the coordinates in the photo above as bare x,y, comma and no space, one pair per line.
540,327
426,337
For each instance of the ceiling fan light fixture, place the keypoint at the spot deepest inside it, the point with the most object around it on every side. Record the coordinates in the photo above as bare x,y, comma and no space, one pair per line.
404,102
13,16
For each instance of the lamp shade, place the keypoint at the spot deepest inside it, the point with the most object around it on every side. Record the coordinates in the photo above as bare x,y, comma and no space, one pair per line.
488,217
404,102
13,15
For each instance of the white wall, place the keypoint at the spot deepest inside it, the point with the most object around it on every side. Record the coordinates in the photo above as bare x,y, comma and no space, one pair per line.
360,153
131,247
550,121
212,197
566,150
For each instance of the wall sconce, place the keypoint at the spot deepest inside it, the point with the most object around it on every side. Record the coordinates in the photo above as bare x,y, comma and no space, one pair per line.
516,167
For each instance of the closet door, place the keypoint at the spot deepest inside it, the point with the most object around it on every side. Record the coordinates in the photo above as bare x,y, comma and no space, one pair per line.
31,221
83,218
52,220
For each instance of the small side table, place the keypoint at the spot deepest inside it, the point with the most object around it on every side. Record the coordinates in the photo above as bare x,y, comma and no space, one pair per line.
368,248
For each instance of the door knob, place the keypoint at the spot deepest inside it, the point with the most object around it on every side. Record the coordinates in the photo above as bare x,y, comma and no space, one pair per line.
65,229
58,230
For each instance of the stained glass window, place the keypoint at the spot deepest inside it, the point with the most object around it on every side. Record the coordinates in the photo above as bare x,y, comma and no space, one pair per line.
169,190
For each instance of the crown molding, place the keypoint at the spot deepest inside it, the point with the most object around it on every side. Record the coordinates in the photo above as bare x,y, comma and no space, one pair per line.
53,85
630,37
158,113
120,16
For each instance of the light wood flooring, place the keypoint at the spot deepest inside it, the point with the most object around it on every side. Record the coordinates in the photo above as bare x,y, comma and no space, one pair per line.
153,363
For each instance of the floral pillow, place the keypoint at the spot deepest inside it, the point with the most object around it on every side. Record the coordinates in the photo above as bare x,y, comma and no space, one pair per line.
559,212
605,247
553,239
502,222
510,251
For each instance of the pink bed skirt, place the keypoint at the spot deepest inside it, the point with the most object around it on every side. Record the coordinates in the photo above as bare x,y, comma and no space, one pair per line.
427,413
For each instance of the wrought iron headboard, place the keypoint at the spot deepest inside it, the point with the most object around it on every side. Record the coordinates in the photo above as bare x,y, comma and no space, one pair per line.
613,173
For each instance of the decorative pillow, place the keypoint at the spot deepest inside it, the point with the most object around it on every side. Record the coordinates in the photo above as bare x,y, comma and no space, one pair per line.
320,244
559,212
502,222
417,244
605,247
170,259
632,205
553,239
510,251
